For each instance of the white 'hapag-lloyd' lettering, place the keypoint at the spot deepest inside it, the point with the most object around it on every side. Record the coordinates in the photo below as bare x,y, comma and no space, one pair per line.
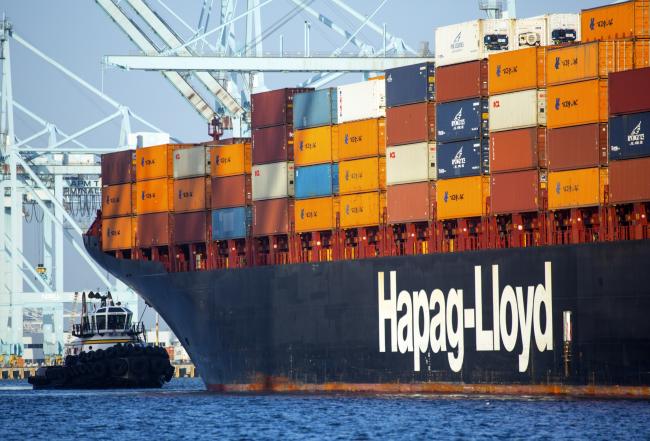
437,330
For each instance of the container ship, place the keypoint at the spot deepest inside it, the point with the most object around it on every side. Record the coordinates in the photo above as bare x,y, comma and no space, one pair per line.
477,224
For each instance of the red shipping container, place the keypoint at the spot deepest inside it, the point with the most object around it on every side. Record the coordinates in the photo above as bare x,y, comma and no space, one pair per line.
462,81
274,107
629,181
153,230
408,202
272,216
231,191
118,167
514,192
190,227
411,123
571,148
521,149
629,91
273,144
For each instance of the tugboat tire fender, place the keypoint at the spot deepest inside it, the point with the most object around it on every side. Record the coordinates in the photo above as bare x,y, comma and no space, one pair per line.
118,367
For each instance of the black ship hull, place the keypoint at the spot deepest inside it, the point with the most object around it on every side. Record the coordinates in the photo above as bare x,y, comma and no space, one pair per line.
562,319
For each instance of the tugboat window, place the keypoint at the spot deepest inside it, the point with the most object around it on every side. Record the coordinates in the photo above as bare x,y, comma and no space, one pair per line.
101,322
112,321
121,320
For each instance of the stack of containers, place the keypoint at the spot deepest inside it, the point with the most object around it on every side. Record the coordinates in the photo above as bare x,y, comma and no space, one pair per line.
362,167
273,169
118,177
517,133
462,156
231,199
315,158
410,136
629,151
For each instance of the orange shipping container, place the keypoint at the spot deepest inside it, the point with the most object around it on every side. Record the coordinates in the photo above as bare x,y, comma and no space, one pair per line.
641,54
154,162
315,146
154,196
361,175
360,139
573,104
315,214
192,194
118,233
362,209
117,200
516,70
576,188
610,22
462,197
230,160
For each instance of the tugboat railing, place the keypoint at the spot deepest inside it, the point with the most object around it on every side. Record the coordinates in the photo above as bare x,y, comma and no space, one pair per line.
85,330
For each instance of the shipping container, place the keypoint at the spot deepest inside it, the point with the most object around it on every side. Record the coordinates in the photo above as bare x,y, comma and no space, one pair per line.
641,53
273,180
410,84
629,181
154,230
473,40
577,147
627,136
517,110
573,104
272,217
316,108
359,139
272,144
362,209
515,192
231,191
359,175
576,188
190,162
117,200
118,167
610,22
191,227
411,123
462,197
410,163
192,194
316,181
364,100
154,196
408,203
315,146
231,223
273,108
118,233
459,120
546,30
230,160
587,61
520,149
154,162
516,70
462,81
463,158
315,214
629,91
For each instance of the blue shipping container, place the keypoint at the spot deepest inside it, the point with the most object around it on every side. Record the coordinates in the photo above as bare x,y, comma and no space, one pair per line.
231,223
627,136
410,84
458,120
316,181
463,158
314,109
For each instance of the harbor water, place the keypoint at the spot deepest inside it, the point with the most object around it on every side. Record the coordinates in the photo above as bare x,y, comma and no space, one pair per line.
184,410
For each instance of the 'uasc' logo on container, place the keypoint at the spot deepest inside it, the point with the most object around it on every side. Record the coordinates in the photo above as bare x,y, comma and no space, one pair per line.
458,161
636,137
428,324
458,123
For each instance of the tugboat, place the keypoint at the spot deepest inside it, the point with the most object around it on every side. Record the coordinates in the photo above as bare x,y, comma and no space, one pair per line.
108,351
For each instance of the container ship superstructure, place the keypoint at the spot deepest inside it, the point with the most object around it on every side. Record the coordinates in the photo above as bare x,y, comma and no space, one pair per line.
477,224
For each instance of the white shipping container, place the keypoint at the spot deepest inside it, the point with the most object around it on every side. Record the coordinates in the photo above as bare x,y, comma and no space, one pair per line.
190,162
364,100
473,40
410,163
546,30
517,110
271,181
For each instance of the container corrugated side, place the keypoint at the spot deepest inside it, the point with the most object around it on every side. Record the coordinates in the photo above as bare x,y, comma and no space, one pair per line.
273,216
577,147
462,197
231,191
273,144
610,22
274,107
154,229
315,145
521,149
315,214
576,188
463,158
629,181
408,203
154,196
515,192
118,233
117,200
641,54
118,167
473,40
409,163
272,181
231,160
517,110
364,100
515,70
459,120
627,136
629,91
315,108
191,194
360,139
410,84
462,81
573,104
190,162
314,181
231,223
191,227
362,209
411,123
359,175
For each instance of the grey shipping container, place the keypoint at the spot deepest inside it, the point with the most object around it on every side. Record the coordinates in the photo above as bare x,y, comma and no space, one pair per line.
410,84
315,109
463,158
627,136
190,162
459,120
